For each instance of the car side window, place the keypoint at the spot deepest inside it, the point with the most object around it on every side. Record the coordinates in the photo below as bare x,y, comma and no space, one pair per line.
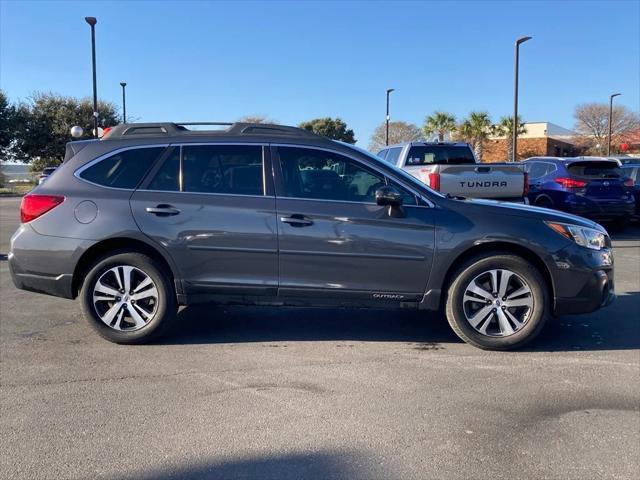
408,198
393,154
537,170
167,178
230,169
383,154
124,169
317,174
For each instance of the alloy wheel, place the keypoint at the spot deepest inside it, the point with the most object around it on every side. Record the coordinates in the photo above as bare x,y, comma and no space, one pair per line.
125,298
498,303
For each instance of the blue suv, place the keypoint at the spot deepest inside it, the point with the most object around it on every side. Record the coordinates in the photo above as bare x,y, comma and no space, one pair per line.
592,187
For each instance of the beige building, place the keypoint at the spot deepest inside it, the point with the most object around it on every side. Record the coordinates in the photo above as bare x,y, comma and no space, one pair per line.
541,139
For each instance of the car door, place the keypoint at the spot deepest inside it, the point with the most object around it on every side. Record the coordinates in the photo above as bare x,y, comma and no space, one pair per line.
212,207
335,241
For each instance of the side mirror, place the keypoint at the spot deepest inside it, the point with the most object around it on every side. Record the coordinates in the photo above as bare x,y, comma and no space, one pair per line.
388,195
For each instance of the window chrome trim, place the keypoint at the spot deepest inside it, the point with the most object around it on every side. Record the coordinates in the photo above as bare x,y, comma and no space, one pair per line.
104,156
421,196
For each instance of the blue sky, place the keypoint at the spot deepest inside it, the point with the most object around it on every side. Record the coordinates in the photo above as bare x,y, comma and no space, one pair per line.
293,61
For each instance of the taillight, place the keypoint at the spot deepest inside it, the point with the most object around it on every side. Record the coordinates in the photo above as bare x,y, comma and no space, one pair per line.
571,182
628,182
434,181
34,205
525,188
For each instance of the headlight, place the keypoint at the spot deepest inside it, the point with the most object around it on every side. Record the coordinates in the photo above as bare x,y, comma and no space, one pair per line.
583,236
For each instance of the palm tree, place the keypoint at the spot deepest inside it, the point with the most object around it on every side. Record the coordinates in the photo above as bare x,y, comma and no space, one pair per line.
440,123
476,129
505,129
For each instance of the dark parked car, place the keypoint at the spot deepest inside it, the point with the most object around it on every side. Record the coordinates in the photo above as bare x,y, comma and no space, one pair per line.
591,187
155,215
632,170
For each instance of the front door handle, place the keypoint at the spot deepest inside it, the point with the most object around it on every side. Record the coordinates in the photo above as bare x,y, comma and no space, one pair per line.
297,220
163,210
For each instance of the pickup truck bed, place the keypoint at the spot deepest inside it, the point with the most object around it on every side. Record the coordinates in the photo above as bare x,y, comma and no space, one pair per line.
452,168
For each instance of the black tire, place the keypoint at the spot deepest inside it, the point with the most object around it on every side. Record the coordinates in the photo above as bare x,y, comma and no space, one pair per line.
165,307
619,224
544,202
475,266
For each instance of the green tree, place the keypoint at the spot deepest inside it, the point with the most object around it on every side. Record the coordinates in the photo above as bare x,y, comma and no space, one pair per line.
44,125
475,129
328,127
440,123
505,129
256,119
8,119
398,132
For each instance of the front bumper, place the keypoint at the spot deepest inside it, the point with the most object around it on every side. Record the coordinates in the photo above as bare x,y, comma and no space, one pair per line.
583,280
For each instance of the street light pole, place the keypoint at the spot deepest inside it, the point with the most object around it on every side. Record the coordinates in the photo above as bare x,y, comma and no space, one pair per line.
386,141
610,121
124,103
92,23
514,154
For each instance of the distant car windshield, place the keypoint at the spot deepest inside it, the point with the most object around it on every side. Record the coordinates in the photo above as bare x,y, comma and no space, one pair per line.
48,170
440,155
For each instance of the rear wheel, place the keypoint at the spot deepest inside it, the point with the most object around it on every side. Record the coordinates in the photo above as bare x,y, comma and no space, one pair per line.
128,298
497,301
544,202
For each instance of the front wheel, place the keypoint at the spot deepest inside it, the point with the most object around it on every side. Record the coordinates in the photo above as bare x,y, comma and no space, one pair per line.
128,298
497,301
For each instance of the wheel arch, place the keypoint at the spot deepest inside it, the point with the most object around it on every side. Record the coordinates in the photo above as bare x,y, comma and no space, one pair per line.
88,257
500,247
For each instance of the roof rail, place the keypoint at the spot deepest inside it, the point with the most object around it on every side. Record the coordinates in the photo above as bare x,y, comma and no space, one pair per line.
164,129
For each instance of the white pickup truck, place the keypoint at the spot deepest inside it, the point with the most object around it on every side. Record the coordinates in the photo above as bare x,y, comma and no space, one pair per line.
452,168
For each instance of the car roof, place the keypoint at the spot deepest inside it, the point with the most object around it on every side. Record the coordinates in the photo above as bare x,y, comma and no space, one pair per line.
573,159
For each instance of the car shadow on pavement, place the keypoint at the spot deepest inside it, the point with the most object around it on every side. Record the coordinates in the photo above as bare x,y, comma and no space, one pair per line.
616,327
209,323
325,465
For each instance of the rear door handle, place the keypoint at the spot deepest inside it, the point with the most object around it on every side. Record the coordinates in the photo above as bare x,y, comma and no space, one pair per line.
297,220
163,210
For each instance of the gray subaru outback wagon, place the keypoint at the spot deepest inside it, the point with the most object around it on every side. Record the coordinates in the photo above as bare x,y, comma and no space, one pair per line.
154,216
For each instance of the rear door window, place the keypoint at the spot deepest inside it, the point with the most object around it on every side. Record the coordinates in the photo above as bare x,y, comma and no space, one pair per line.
226,169
123,169
440,155
595,169
537,170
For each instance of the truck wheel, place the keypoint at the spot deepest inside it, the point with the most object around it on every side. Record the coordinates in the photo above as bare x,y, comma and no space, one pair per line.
497,301
128,298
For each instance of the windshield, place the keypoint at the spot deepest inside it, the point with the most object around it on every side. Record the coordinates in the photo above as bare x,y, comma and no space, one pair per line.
398,171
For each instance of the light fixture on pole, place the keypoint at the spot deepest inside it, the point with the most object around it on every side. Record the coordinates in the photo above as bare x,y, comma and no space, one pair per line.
514,154
611,121
386,137
92,23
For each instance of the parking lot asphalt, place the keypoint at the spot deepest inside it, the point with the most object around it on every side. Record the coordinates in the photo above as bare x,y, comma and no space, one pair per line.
239,392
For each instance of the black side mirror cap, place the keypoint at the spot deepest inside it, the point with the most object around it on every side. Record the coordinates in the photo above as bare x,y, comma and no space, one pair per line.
388,195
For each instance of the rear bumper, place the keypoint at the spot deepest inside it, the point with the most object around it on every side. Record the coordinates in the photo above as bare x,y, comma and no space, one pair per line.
44,264
600,210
